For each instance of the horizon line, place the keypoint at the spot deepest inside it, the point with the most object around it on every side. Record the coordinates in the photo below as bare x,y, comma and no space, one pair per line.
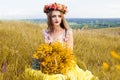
65,18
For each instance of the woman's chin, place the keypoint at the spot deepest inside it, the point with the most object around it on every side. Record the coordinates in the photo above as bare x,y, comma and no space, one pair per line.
56,24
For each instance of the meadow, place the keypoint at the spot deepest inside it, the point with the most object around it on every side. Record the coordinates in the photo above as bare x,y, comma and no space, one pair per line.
97,50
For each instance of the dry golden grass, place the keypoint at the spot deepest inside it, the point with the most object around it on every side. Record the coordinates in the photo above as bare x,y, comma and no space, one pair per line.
18,40
93,48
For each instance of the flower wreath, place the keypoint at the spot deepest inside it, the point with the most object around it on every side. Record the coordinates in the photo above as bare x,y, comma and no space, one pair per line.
55,6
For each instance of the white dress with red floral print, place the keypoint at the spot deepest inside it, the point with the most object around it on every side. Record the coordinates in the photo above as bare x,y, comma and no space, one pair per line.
61,38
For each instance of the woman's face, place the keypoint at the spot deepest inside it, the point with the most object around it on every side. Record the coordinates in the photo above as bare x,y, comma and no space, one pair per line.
56,18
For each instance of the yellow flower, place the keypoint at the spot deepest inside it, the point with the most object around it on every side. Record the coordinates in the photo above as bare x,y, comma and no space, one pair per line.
105,66
55,58
117,67
43,63
115,55
35,56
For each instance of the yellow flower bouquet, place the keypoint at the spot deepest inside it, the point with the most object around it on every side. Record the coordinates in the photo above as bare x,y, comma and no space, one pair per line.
54,58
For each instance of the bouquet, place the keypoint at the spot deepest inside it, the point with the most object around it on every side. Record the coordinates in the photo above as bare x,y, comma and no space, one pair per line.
55,58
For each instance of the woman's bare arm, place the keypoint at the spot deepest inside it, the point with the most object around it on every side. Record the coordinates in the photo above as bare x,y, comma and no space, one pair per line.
70,39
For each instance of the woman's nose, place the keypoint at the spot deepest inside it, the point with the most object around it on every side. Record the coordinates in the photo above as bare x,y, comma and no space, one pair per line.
57,17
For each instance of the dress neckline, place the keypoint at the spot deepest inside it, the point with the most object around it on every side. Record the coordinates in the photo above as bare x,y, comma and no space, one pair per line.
62,35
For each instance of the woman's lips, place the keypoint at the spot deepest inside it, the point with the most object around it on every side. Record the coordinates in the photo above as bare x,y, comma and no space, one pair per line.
56,22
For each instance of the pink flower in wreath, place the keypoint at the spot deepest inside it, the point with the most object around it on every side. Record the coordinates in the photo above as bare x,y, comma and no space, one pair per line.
53,6
59,7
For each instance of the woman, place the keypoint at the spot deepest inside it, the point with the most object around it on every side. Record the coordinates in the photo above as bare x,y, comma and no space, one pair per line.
58,30
57,26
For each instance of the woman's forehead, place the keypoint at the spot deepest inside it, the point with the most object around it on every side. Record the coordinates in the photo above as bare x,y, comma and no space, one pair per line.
55,12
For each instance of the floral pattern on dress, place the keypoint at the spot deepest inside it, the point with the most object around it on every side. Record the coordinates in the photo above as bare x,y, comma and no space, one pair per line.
62,38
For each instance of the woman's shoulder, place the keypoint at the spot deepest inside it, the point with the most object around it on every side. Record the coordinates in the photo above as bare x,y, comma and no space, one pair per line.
69,31
45,31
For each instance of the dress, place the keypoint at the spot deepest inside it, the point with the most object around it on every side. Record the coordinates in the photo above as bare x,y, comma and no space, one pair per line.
74,73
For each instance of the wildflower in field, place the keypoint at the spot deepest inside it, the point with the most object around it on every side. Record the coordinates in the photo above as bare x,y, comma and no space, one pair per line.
115,55
117,67
105,66
54,58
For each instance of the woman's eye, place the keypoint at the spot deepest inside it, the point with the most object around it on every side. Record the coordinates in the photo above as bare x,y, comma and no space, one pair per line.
59,16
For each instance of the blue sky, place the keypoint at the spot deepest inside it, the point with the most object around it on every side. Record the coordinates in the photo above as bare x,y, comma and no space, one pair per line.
18,9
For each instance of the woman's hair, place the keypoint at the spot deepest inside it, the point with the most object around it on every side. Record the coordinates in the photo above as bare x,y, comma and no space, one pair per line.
63,23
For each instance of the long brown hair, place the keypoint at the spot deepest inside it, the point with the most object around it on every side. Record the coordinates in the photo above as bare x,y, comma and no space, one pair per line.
63,23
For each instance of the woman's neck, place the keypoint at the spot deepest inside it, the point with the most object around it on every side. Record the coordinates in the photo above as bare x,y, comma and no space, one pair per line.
57,29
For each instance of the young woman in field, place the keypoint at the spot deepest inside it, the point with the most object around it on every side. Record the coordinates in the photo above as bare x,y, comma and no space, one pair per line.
58,30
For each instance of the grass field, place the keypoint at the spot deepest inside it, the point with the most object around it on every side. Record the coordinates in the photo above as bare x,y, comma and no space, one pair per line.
97,50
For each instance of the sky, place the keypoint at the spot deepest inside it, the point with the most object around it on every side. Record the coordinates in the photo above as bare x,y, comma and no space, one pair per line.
29,9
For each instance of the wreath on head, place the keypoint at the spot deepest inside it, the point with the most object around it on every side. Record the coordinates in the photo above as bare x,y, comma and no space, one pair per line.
55,6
